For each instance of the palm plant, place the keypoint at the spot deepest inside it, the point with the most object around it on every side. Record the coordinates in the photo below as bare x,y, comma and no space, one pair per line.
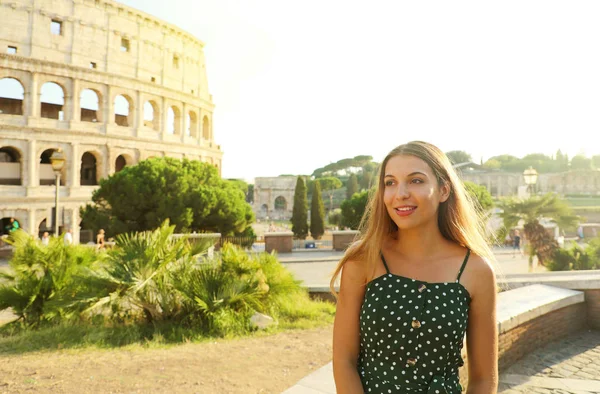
41,275
531,211
137,274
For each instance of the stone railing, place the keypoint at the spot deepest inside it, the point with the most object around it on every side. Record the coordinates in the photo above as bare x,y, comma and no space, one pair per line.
535,310
342,239
280,242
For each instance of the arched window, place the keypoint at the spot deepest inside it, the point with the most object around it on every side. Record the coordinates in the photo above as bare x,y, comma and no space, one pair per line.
122,162
11,97
89,102
52,101
192,124
123,111
280,204
10,166
151,115
88,170
47,175
205,129
173,121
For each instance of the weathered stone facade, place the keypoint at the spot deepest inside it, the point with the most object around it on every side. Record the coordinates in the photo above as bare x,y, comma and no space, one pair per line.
274,197
147,83
501,184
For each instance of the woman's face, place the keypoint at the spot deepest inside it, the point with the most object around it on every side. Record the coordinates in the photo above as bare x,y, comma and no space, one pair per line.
411,192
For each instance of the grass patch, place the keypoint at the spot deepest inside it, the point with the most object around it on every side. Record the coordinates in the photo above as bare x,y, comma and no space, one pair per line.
15,339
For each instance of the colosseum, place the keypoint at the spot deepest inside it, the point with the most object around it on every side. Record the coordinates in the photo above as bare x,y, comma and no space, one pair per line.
104,83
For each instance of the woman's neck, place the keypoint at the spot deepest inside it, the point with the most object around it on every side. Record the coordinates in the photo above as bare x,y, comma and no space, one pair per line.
419,243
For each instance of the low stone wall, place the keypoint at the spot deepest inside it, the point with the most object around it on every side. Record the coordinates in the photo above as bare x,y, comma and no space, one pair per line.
279,242
342,239
592,300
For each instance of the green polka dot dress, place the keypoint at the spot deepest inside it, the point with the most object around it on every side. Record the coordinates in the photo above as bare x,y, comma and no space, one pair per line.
411,334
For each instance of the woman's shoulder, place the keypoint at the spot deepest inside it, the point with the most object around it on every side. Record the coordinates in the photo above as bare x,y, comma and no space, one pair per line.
479,275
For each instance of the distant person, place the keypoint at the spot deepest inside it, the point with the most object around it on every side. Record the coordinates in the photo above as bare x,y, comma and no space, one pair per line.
580,232
517,243
100,239
45,238
69,237
13,226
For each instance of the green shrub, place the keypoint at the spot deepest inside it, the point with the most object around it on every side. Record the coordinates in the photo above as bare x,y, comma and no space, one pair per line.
42,276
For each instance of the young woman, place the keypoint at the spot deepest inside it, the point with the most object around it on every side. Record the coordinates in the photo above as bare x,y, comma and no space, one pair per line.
418,279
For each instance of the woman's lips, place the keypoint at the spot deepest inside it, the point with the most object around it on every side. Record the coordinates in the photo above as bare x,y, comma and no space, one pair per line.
405,211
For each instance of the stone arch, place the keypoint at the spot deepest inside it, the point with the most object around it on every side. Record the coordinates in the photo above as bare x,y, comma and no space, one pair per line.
192,124
152,115
11,166
205,129
90,102
123,109
12,94
264,210
280,204
90,171
6,224
122,161
46,174
173,120
52,101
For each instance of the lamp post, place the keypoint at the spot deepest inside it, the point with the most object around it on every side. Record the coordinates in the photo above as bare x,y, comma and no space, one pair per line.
531,176
57,160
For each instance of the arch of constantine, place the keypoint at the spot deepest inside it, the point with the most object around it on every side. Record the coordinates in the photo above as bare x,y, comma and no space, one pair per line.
108,85
274,197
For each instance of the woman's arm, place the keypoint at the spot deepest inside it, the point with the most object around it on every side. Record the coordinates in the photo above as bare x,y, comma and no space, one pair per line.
482,331
346,342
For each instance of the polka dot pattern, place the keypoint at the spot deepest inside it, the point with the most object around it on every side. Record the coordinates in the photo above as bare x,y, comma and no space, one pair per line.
411,335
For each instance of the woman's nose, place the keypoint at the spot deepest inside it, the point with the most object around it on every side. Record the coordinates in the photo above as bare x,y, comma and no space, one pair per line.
403,192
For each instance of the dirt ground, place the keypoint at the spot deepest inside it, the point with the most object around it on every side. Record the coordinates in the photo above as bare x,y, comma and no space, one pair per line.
268,364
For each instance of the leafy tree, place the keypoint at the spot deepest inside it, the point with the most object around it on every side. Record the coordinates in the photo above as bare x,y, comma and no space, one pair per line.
317,213
458,156
352,186
188,193
561,161
492,164
300,210
354,209
580,162
328,185
531,211
250,194
481,195
366,180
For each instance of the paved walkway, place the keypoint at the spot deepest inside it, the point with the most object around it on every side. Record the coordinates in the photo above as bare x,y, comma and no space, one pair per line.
571,365
568,366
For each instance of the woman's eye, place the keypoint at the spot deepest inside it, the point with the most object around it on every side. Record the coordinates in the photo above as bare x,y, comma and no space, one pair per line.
389,183
417,180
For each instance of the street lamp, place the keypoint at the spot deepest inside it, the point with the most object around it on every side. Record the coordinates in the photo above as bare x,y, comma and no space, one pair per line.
531,176
57,160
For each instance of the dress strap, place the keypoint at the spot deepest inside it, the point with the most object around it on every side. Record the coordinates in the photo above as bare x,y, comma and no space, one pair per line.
464,264
384,263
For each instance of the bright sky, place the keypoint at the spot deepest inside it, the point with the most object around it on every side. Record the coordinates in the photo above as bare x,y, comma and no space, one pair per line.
299,84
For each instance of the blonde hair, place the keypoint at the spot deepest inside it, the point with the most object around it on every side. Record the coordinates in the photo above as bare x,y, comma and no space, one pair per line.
460,219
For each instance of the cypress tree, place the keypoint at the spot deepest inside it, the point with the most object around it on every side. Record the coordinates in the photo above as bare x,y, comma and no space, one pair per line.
300,210
317,213
352,186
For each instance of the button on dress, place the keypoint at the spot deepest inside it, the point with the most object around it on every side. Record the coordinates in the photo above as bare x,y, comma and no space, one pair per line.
411,334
